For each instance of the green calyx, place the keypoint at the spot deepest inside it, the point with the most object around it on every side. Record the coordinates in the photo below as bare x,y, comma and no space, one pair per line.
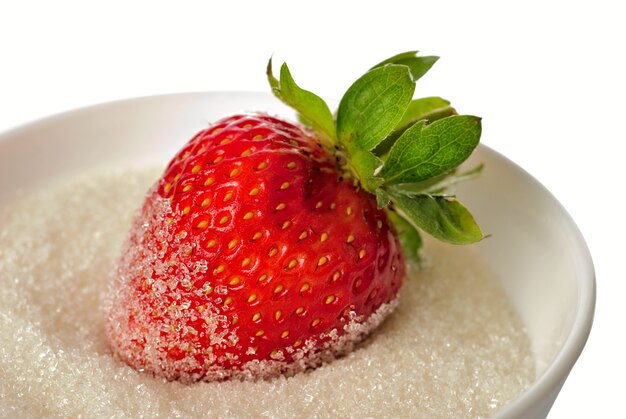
404,151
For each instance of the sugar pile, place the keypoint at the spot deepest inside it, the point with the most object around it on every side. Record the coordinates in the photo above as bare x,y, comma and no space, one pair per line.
453,348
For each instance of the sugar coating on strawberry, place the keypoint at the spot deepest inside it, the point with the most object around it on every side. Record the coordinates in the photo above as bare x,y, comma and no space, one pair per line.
268,248
251,257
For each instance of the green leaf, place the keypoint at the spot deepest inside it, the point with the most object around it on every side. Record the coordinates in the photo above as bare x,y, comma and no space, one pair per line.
418,65
305,121
311,107
274,83
410,238
364,165
425,151
397,57
443,217
420,108
438,184
373,106
383,148
382,198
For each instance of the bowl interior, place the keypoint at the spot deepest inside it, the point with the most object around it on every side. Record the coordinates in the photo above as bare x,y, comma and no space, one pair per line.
535,248
544,266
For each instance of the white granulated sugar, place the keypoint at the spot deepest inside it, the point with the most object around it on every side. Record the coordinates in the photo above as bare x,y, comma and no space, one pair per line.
452,348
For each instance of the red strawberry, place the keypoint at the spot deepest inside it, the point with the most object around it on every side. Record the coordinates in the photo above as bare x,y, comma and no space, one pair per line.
263,250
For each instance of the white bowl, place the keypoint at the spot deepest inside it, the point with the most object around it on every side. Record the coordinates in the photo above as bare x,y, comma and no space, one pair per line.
535,247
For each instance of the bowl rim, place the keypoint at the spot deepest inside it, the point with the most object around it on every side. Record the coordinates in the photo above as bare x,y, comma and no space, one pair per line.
551,380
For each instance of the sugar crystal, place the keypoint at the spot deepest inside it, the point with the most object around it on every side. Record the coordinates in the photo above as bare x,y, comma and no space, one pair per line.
454,347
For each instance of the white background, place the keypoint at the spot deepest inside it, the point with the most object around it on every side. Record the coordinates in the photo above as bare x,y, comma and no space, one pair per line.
546,76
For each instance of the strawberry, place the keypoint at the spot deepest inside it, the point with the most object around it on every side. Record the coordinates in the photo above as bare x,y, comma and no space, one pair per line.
268,247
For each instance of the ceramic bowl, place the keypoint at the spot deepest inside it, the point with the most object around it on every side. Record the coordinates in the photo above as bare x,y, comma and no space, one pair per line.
535,247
